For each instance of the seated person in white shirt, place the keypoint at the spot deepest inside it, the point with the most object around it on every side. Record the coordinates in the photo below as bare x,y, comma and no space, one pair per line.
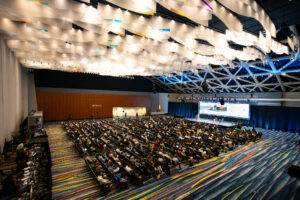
128,169
103,180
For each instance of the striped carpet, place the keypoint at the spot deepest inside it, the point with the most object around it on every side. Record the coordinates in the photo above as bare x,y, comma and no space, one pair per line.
254,171
70,177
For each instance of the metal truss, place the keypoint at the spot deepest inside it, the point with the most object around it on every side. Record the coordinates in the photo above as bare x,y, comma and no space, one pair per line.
277,75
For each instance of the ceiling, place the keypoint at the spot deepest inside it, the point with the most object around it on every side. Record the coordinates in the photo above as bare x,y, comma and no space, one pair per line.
279,11
279,74
235,63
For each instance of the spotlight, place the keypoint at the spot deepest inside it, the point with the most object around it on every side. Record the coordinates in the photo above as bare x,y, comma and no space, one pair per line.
154,88
205,86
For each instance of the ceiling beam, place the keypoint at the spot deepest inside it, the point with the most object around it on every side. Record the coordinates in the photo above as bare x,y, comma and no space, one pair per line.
274,70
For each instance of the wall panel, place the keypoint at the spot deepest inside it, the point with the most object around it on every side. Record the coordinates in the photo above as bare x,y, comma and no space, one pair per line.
59,79
13,93
59,106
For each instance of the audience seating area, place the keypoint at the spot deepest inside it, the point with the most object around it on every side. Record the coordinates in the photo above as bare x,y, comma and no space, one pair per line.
130,151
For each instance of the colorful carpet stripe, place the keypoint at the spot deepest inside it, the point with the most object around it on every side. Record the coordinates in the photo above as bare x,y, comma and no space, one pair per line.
70,177
253,171
9,166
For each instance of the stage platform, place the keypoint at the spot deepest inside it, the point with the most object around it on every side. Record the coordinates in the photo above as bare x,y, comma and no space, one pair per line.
210,121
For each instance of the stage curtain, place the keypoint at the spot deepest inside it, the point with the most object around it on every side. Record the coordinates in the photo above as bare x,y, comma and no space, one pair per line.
188,110
274,117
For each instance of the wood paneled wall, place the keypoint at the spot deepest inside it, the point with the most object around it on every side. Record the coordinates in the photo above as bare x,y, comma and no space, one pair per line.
59,106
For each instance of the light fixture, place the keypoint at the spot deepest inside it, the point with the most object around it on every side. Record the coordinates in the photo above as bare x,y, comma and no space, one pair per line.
121,54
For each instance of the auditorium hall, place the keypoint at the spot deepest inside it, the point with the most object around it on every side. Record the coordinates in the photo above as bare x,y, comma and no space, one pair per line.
149,99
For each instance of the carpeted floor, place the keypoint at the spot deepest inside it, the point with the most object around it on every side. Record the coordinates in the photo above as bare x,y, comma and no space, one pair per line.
70,177
255,171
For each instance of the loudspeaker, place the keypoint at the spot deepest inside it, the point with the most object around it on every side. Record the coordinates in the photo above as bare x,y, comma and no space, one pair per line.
283,31
205,86
222,102
154,88
294,171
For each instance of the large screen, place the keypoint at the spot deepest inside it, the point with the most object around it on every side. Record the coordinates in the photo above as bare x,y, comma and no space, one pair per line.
235,110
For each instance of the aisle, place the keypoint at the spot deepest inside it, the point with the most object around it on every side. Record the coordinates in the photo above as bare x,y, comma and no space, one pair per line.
70,177
254,171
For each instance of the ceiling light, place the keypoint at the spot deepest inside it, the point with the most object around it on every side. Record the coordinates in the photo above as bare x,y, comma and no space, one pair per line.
152,66
153,53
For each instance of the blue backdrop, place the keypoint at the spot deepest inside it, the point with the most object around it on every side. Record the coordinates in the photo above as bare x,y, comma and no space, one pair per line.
189,110
275,117
270,117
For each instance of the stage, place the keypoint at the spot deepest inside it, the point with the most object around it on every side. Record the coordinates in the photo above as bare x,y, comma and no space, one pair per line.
210,121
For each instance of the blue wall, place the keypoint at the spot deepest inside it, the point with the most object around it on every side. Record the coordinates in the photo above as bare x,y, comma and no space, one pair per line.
270,117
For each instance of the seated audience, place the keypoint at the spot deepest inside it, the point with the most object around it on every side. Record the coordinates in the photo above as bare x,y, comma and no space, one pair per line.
130,151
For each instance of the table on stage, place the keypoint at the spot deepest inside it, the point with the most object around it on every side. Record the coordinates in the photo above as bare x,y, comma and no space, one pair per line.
213,121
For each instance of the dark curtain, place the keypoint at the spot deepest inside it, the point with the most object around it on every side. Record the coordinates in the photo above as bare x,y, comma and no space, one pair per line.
189,110
59,79
274,117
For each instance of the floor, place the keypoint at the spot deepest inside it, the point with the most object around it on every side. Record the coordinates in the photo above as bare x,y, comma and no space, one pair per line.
70,177
254,171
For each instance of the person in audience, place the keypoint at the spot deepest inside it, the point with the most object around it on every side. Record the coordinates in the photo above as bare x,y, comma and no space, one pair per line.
132,150
118,177
88,159
128,169
176,162
98,169
116,169
191,161
159,171
20,146
103,180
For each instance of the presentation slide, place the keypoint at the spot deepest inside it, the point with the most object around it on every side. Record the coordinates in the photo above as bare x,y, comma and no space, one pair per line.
227,110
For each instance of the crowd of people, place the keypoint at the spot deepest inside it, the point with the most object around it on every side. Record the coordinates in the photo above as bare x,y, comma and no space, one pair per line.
132,150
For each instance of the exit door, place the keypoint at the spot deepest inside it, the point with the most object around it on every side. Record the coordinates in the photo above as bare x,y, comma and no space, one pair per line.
97,111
